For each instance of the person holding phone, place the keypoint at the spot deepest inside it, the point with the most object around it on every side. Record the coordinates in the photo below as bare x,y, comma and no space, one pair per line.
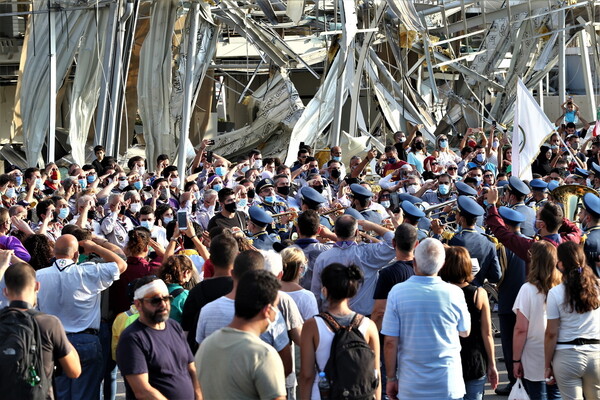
116,224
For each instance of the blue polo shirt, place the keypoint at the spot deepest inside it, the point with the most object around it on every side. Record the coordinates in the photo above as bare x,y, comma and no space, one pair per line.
426,315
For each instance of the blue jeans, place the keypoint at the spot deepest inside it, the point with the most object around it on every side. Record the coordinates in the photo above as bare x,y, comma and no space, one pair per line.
109,366
87,386
540,391
475,388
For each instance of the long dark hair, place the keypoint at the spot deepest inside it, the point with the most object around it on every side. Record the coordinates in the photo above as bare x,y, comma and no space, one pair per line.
582,293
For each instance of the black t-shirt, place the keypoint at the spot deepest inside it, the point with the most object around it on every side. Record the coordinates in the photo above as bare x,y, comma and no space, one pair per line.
401,151
391,275
239,220
162,354
55,344
200,295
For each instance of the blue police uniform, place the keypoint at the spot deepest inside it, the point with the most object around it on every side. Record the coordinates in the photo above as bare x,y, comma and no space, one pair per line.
313,200
261,240
581,173
517,186
276,207
591,246
360,192
512,280
414,213
424,223
465,190
537,185
479,246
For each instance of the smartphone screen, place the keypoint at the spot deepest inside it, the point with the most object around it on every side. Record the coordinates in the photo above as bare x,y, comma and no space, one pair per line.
182,219
210,142
209,156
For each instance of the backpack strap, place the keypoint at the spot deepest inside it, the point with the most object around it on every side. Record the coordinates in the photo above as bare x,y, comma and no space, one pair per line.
177,292
331,321
356,321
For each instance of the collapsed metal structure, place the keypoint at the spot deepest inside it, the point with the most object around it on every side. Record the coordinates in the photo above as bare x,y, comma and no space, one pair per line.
380,63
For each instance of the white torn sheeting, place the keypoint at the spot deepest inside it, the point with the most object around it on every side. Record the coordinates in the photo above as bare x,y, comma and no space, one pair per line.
33,87
318,113
86,85
207,35
278,109
154,82
405,10
295,10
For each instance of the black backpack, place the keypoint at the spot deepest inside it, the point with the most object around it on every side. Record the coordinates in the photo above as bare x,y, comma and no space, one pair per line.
23,375
350,368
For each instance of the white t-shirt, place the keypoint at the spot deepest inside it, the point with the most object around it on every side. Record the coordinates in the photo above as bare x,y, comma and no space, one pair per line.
306,302
572,324
532,305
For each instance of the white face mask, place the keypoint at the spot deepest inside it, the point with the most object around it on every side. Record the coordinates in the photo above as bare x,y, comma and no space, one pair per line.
135,207
123,184
385,203
412,189
258,163
175,182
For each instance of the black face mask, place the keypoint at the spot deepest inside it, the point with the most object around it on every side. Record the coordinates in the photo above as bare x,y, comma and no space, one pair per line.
251,193
318,188
313,171
283,190
194,207
336,173
91,214
231,207
419,146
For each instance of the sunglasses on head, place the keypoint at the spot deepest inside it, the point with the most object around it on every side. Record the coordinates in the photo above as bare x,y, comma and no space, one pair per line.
156,301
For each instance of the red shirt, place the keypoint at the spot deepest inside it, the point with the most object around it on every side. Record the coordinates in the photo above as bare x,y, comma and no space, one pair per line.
389,168
137,267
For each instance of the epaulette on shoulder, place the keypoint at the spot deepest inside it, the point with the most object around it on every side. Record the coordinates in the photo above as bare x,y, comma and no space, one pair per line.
447,236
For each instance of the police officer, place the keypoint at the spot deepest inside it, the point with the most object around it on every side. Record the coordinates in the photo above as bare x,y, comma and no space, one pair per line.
257,229
514,197
360,200
479,246
462,189
412,216
539,194
424,223
581,176
312,200
265,189
596,171
443,192
513,277
589,217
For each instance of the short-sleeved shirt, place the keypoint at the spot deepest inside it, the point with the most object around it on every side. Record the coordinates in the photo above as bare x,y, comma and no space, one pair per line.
572,324
426,315
233,364
398,272
203,293
162,354
532,305
72,292
219,313
238,220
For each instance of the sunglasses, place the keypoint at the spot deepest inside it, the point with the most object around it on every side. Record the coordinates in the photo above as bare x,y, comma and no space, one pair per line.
452,168
156,301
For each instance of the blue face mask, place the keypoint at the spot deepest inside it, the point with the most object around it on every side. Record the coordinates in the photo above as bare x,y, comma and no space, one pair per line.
167,220
323,297
147,224
270,199
82,183
217,187
137,185
221,171
303,271
91,178
245,169
19,180
443,144
444,189
63,213
480,157
242,203
385,203
336,158
10,192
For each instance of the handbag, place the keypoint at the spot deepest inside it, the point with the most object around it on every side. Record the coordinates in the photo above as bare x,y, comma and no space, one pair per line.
518,391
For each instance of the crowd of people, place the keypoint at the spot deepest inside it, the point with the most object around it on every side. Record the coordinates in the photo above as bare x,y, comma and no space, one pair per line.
234,278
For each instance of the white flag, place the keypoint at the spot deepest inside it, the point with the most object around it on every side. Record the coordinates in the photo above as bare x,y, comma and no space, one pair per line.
530,131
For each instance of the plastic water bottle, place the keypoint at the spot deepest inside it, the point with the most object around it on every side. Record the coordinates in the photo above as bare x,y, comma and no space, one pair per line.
323,386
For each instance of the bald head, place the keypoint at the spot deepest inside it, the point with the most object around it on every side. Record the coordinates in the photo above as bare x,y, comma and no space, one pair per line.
66,246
